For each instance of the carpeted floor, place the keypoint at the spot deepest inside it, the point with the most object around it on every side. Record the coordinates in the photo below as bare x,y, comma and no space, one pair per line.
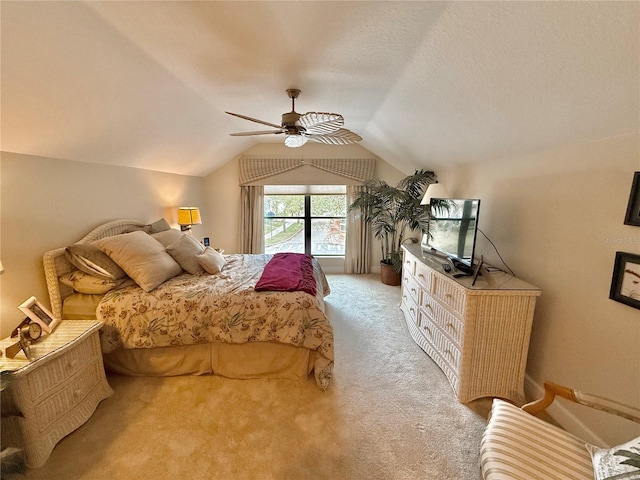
389,413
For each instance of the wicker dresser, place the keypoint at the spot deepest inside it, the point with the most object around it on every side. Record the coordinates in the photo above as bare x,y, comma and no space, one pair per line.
477,334
55,393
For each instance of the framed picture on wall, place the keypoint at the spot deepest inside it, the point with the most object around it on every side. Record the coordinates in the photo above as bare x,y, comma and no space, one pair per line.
625,284
633,208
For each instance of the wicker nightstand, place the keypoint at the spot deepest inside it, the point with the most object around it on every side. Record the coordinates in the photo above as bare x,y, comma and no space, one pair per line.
55,393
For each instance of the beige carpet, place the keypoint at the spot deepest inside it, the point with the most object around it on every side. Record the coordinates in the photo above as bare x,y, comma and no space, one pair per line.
389,413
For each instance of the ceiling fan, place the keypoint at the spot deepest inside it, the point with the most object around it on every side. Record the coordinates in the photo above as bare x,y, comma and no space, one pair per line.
299,128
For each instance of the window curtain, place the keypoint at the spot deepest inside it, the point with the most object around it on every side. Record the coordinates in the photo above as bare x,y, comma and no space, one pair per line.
251,218
257,169
357,249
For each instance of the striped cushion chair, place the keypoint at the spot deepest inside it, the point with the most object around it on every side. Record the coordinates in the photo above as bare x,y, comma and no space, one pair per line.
516,445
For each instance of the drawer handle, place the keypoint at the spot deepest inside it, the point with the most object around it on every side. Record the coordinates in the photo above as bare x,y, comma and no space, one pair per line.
413,290
71,364
412,310
448,352
77,393
451,326
428,305
448,295
428,331
421,276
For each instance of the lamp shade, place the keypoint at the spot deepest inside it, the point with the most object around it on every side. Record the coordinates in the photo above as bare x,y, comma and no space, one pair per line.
435,190
189,216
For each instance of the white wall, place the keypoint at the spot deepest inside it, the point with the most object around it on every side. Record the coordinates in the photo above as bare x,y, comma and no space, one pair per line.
557,219
49,203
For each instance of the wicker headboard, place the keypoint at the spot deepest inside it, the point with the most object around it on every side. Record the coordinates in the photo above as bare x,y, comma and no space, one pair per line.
56,263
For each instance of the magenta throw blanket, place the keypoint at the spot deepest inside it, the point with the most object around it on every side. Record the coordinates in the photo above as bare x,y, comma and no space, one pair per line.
288,272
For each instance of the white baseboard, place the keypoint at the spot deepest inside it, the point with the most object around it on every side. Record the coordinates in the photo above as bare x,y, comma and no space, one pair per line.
563,416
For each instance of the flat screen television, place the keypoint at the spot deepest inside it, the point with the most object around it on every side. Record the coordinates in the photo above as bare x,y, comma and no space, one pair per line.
453,224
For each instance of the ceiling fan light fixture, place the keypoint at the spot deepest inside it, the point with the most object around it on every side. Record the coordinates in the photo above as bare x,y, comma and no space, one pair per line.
318,127
295,140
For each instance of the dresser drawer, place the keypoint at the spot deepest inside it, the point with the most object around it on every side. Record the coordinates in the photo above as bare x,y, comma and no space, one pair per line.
55,372
451,325
64,400
410,307
410,287
443,346
409,264
450,294
424,276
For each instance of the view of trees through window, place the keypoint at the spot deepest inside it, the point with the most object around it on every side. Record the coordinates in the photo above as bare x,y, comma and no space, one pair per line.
314,224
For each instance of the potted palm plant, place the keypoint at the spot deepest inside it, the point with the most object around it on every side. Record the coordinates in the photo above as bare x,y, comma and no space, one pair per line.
394,212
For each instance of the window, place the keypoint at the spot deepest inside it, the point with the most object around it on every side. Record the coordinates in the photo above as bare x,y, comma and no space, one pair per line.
305,219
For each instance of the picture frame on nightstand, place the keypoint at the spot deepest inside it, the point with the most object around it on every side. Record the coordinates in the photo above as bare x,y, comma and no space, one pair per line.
38,313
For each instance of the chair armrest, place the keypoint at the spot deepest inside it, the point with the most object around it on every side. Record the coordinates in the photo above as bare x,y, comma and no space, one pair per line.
551,390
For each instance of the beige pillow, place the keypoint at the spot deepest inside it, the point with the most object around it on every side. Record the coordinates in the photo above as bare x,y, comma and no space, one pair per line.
80,306
159,226
142,257
167,237
211,260
184,252
84,283
88,258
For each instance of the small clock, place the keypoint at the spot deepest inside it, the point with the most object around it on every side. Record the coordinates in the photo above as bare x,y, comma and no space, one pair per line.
32,331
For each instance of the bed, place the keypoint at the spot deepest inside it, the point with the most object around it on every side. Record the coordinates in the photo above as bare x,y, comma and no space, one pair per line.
207,321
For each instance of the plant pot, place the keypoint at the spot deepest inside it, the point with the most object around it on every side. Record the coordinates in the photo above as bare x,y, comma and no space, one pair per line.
388,275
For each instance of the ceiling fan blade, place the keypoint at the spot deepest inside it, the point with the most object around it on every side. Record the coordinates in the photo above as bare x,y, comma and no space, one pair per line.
254,120
341,137
258,132
294,141
321,123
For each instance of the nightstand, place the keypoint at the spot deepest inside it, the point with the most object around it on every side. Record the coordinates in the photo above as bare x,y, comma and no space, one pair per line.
56,392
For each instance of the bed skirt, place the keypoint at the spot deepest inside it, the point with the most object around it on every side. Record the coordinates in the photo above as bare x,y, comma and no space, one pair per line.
242,361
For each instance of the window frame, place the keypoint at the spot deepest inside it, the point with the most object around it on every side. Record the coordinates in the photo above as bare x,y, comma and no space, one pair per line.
307,219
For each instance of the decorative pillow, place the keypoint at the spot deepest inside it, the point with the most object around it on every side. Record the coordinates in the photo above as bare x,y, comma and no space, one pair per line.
159,226
142,257
184,252
88,258
211,260
90,284
611,462
80,306
167,237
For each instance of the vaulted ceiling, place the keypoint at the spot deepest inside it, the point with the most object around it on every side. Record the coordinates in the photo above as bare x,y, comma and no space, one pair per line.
426,84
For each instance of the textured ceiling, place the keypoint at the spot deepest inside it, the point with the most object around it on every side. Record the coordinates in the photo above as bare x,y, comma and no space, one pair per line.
426,84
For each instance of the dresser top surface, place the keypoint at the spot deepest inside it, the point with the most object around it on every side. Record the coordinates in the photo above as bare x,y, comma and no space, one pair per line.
494,280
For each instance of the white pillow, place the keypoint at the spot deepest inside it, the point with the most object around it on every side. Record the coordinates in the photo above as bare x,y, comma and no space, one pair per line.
610,462
184,252
211,260
142,257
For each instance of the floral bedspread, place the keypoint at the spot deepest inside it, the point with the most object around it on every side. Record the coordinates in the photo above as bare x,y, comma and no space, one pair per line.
191,309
